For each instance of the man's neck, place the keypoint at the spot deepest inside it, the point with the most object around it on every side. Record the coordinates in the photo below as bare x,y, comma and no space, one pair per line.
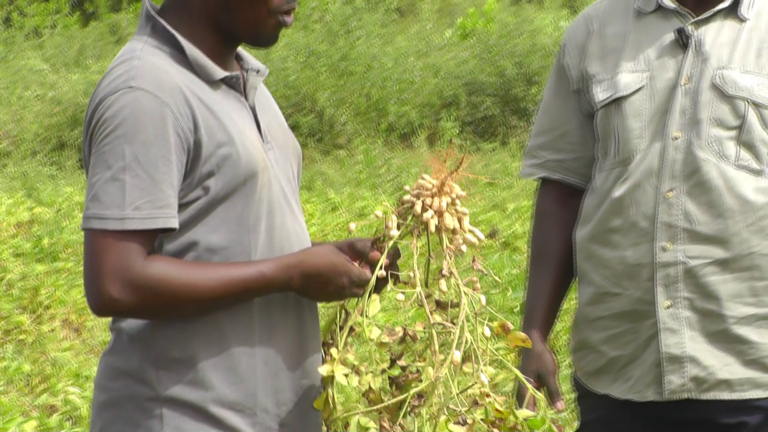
192,23
700,7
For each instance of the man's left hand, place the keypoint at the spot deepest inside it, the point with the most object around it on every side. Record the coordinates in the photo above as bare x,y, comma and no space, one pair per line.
361,251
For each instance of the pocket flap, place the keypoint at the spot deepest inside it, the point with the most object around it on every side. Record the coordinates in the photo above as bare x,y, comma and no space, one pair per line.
744,85
619,85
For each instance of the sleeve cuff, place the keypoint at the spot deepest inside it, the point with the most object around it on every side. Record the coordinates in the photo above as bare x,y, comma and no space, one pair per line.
529,173
130,223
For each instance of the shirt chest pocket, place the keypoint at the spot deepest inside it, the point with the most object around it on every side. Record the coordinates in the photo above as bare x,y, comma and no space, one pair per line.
621,118
738,119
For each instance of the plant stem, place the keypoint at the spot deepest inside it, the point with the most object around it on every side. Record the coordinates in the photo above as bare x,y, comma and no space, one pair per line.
384,404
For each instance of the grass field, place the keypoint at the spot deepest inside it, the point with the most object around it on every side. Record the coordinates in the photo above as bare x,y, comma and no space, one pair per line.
49,341
51,344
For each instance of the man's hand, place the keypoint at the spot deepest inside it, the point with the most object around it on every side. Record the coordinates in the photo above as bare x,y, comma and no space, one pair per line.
325,274
362,252
539,365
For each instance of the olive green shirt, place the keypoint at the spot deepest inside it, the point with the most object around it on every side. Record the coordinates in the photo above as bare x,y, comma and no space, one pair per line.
668,135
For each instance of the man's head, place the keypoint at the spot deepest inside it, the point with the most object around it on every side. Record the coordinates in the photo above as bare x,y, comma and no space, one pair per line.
254,22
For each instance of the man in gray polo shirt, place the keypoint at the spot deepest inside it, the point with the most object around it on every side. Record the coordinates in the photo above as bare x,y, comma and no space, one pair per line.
651,145
195,240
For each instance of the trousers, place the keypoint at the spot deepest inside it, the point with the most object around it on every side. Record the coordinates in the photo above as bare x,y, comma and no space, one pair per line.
601,413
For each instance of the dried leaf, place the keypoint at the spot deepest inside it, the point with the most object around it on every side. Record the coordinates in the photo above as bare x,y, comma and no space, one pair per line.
390,335
503,327
445,305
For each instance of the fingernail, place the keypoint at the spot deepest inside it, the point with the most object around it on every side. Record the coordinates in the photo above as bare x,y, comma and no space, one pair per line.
559,405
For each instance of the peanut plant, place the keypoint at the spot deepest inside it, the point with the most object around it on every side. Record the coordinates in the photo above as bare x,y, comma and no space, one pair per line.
451,371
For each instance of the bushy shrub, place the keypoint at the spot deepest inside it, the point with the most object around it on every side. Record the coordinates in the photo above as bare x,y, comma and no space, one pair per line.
387,72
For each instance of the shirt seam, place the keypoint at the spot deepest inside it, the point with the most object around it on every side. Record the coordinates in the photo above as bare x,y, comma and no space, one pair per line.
118,216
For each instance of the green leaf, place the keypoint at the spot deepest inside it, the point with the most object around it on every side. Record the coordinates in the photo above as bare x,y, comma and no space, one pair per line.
537,423
367,423
353,422
320,401
442,425
374,305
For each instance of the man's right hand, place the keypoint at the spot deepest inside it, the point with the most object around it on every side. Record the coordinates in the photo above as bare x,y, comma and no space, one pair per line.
539,365
325,274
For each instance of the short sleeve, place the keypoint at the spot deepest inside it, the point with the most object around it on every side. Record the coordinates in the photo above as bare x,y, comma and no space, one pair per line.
135,152
562,143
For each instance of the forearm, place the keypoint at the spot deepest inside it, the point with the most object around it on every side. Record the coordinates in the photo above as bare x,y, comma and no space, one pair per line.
162,287
551,263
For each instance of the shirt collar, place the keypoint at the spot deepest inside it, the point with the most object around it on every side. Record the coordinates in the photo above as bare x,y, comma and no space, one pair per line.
150,23
746,7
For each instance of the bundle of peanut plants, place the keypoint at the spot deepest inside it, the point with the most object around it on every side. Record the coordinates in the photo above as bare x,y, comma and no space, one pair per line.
453,370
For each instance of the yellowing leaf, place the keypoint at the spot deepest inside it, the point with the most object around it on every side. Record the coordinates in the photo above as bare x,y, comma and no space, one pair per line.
518,338
525,414
366,422
30,426
374,305
326,369
341,369
354,380
341,379
453,427
374,333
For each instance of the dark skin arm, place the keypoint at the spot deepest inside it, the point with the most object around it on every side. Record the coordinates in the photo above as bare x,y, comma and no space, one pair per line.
123,278
550,275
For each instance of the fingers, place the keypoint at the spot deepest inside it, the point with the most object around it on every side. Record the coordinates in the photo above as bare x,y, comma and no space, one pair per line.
549,380
524,398
359,248
360,277
394,255
374,257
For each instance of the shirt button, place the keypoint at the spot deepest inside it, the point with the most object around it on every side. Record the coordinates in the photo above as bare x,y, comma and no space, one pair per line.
670,193
666,247
685,81
677,135
668,304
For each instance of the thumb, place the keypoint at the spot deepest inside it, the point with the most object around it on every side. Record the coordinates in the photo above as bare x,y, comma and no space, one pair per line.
359,276
549,380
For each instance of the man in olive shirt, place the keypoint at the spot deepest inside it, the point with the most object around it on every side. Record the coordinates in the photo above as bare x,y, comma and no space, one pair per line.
195,240
651,145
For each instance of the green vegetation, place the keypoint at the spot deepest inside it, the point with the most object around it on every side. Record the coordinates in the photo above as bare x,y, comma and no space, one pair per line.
373,88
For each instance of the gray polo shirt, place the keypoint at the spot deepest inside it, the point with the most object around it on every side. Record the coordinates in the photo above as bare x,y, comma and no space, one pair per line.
170,143
669,137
